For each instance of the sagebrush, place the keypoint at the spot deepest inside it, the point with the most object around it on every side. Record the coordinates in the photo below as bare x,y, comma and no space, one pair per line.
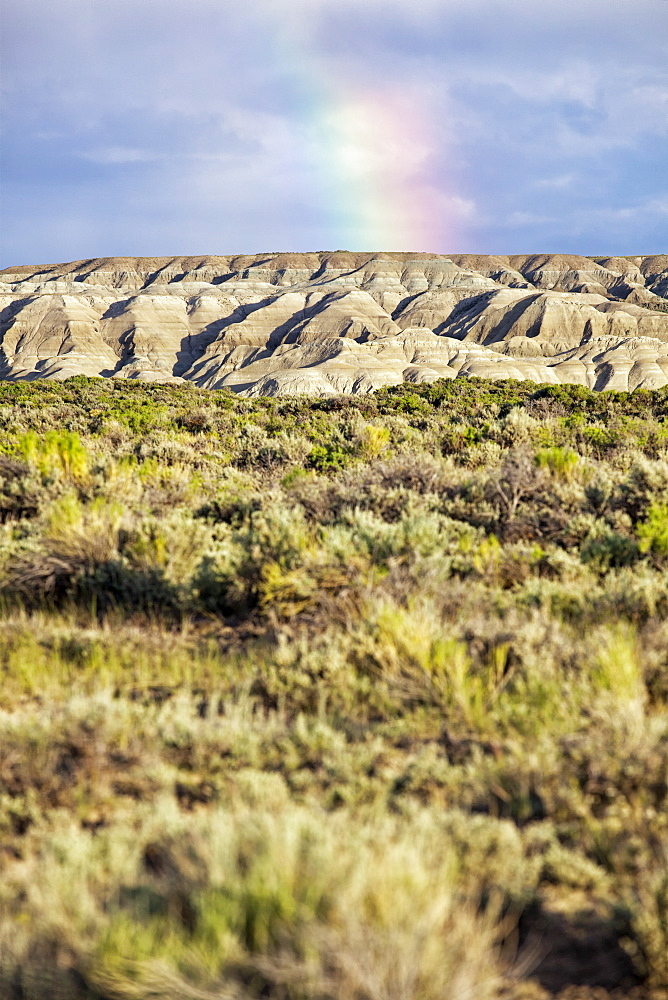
352,698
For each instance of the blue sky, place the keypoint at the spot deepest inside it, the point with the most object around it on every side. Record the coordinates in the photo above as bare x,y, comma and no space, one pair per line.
160,127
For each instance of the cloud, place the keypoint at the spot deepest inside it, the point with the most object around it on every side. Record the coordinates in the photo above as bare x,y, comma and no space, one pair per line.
558,183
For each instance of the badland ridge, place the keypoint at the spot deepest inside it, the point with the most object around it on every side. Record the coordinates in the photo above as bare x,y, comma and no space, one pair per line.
339,322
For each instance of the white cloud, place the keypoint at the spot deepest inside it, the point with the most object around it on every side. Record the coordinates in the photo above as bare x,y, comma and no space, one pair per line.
558,183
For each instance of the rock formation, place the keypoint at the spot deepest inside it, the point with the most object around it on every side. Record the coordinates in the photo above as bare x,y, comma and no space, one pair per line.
330,323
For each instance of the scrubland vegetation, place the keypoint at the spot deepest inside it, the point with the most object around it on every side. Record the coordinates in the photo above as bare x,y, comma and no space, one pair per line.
361,698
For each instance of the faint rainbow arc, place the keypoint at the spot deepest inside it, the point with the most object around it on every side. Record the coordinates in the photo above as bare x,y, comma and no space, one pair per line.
372,152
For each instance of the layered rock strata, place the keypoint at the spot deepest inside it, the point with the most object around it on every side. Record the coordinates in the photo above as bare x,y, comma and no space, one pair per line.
331,323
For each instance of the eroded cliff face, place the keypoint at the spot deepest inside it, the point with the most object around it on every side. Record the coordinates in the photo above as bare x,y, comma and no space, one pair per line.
330,323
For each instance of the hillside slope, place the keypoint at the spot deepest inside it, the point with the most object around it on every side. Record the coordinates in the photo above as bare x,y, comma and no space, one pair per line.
331,323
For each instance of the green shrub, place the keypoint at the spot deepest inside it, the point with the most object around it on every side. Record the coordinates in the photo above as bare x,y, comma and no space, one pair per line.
56,452
646,484
561,462
605,549
328,458
653,533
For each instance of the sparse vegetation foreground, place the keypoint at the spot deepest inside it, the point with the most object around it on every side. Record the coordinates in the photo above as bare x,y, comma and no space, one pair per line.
347,699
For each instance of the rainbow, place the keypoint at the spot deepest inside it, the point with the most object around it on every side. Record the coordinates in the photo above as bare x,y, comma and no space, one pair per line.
378,156
373,151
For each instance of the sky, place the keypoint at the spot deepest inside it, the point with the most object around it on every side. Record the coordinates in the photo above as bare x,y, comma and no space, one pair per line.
184,127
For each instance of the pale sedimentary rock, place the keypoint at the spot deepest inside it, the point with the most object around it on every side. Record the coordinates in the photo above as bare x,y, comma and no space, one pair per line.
330,323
